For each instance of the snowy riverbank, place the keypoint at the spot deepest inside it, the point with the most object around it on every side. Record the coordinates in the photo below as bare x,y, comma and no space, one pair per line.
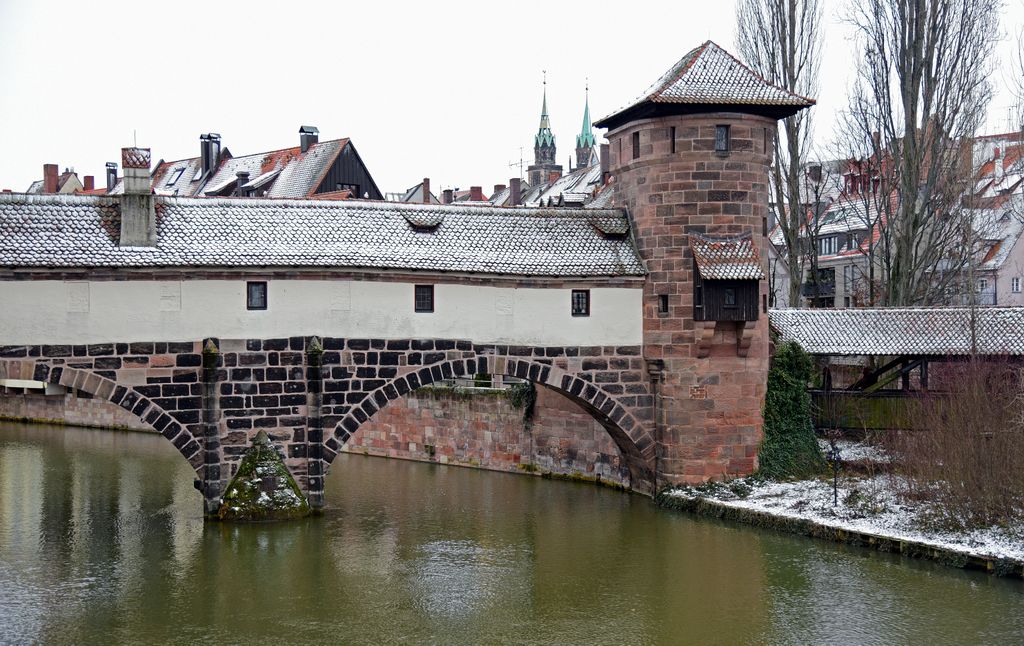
868,506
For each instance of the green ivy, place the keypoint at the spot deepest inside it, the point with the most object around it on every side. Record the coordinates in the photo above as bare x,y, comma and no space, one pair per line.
789,449
523,395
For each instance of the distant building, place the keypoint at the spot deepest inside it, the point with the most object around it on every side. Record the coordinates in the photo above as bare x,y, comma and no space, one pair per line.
320,169
56,182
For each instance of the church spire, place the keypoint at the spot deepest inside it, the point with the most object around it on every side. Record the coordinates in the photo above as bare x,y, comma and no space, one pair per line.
544,138
585,141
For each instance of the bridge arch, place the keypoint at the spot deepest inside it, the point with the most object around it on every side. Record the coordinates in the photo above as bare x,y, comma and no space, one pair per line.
106,389
632,437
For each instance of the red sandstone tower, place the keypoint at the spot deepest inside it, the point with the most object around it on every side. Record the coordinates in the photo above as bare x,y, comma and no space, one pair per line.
690,162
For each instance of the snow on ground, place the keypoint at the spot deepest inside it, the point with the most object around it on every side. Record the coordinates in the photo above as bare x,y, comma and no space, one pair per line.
866,504
850,451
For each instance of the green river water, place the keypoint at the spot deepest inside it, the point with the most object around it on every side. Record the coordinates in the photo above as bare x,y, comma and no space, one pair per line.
102,541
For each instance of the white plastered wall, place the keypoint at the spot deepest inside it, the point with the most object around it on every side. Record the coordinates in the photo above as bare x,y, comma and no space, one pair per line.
77,312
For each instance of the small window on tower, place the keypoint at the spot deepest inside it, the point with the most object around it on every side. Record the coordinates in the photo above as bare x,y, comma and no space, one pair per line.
581,302
636,145
256,295
721,139
663,303
672,137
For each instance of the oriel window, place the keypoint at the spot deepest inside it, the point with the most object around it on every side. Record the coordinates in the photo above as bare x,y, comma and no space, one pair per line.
256,295
581,302
424,298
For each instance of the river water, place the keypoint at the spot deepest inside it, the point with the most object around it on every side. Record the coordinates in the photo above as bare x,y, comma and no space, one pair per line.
102,541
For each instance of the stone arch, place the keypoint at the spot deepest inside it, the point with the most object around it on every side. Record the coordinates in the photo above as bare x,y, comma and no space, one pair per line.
124,396
632,438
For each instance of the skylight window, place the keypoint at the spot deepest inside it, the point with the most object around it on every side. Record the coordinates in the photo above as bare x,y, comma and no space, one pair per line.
175,176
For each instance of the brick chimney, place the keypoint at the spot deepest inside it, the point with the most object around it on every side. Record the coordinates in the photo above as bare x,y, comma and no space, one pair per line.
138,216
89,183
426,190
498,188
606,160
308,135
446,196
49,178
476,193
515,191
553,176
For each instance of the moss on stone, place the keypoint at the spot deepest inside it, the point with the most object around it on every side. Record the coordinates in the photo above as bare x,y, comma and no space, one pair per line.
262,489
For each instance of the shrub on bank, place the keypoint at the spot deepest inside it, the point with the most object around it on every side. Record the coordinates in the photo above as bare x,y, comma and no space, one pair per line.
964,456
789,449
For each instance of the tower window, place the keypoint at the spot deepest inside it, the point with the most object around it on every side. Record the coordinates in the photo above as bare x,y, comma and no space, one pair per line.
581,302
672,138
721,139
256,295
662,303
636,145
424,298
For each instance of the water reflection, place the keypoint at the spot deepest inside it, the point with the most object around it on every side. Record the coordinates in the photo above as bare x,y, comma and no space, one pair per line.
101,540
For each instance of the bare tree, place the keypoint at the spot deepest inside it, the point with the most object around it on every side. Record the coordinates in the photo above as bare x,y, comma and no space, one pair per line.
781,40
920,95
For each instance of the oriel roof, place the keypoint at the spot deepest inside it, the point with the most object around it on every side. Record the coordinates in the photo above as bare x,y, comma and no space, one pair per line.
726,258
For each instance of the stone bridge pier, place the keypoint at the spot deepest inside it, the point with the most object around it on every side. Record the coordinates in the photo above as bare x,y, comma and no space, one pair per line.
211,397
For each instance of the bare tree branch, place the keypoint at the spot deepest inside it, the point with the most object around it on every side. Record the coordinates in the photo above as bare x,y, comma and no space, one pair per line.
781,40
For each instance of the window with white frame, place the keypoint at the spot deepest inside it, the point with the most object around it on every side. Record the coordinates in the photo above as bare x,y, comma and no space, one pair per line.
1015,285
827,245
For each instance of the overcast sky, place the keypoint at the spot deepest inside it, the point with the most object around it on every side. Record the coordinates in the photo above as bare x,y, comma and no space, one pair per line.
446,90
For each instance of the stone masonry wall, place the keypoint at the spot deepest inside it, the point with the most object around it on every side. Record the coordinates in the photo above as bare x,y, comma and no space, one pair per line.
68,408
482,428
713,375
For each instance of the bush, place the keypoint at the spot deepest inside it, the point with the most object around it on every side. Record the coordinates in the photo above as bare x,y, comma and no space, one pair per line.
789,448
965,452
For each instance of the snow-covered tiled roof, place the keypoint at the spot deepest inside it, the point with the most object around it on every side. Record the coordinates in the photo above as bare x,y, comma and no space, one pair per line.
709,75
82,231
902,330
294,173
726,258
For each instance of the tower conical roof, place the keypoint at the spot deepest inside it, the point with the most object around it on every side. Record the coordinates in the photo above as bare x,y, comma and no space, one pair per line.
544,137
708,79
586,137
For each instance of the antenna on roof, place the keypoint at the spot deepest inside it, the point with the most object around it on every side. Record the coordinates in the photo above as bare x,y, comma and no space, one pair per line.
135,137
519,164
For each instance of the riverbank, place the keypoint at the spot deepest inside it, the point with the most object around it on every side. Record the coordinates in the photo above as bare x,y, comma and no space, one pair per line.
866,512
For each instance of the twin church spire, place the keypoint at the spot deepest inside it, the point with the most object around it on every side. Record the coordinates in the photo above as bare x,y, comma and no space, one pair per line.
544,151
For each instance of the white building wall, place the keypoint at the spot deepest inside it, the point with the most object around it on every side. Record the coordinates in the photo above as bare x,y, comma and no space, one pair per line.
68,312
1012,267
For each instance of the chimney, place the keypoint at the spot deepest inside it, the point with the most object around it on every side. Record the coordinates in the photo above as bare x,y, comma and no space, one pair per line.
49,178
606,163
553,176
209,148
426,190
243,179
995,153
476,193
308,135
446,196
498,188
90,183
138,217
111,176
515,194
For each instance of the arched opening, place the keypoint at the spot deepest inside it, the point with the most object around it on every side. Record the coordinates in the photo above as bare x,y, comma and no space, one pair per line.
632,439
126,397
